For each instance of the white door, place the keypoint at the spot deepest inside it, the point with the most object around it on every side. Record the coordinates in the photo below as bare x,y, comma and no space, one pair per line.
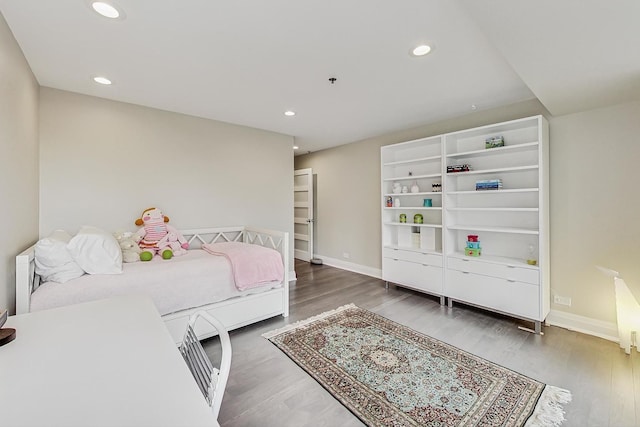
303,214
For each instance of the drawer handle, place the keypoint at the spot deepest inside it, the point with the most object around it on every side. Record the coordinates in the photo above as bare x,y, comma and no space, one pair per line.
465,260
464,272
395,259
510,266
426,265
511,280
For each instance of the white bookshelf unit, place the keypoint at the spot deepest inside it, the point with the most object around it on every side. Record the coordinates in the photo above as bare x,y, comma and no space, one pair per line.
412,251
511,222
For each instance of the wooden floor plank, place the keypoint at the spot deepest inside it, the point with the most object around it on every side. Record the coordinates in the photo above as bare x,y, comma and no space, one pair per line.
267,389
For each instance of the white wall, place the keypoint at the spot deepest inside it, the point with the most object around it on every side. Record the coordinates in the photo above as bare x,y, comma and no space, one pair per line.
593,203
18,161
103,162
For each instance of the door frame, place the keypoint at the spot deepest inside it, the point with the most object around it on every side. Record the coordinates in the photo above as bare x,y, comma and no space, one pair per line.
309,220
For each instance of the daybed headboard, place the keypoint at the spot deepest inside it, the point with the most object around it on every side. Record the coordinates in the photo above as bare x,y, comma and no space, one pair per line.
27,281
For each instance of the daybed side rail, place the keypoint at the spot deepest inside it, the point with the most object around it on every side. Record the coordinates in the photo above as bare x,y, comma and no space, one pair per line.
199,236
263,237
278,240
27,280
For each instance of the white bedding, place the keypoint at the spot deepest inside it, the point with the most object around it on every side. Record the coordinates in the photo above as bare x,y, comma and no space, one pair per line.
192,280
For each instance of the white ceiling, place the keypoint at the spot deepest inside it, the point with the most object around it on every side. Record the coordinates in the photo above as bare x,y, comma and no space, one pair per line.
247,61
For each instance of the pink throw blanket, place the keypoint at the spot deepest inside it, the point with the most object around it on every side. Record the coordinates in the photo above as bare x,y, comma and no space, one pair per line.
252,265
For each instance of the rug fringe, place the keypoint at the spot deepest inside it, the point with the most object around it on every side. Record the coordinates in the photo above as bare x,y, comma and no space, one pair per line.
548,411
302,323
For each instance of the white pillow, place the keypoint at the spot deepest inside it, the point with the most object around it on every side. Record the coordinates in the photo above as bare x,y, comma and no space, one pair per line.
96,251
53,261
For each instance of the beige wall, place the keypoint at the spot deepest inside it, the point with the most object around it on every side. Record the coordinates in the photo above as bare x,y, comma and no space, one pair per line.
103,162
348,185
18,161
594,206
592,175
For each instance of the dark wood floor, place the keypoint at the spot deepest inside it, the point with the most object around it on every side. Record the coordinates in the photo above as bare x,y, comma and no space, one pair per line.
267,389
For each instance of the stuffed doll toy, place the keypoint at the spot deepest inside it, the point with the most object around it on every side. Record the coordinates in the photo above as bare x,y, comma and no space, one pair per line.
128,245
155,229
174,241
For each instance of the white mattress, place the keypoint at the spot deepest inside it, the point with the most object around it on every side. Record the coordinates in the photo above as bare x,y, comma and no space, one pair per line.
191,280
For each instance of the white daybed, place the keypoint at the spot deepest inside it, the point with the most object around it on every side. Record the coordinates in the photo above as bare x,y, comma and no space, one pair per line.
233,308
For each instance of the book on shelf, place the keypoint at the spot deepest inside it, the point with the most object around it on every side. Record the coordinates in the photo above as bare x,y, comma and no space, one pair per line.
489,184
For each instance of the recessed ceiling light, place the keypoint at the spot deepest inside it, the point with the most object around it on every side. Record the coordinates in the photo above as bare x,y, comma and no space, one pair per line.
289,113
105,9
295,147
474,107
421,50
102,80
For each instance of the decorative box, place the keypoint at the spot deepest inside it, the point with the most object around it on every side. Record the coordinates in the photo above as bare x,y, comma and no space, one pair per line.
472,238
494,141
473,245
415,240
405,239
428,238
472,252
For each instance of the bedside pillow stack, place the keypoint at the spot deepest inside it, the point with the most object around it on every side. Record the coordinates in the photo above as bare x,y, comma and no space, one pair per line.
60,257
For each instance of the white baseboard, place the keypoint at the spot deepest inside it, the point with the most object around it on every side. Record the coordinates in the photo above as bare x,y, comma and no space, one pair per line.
585,325
573,322
350,266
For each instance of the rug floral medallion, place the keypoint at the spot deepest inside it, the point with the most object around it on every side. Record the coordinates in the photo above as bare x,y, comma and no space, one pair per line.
390,375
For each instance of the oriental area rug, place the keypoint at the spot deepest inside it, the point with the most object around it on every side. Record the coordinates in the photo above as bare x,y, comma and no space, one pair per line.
390,375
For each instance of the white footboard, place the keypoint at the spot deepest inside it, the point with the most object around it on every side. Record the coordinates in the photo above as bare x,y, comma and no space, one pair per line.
234,313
